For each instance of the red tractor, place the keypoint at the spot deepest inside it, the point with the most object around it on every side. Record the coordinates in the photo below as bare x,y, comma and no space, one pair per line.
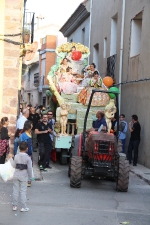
97,155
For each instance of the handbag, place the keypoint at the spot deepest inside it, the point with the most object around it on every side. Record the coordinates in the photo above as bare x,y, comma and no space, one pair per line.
7,171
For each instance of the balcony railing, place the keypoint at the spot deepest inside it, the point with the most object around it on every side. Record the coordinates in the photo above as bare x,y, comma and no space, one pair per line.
29,24
111,66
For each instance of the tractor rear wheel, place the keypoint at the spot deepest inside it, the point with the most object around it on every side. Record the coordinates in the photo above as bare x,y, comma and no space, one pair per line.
123,176
75,171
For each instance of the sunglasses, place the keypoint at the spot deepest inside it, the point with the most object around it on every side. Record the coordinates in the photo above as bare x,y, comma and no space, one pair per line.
50,114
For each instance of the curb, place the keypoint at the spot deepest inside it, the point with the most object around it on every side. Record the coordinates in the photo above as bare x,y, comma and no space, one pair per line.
140,176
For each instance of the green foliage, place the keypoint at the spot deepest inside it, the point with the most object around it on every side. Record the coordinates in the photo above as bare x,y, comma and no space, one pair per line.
26,31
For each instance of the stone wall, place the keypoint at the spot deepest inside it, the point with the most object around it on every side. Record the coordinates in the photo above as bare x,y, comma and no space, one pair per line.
13,12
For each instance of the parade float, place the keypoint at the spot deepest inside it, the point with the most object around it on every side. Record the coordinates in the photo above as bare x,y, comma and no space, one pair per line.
70,87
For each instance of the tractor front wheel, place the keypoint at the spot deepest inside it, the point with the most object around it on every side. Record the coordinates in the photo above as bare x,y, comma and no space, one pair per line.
75,171
123,176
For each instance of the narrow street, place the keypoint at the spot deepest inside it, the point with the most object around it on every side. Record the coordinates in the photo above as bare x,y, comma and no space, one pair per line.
52,201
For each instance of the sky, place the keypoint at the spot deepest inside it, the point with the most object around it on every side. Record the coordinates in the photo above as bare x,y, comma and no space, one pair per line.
54,11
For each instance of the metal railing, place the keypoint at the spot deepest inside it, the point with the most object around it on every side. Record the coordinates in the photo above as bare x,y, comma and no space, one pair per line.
29,25
111,66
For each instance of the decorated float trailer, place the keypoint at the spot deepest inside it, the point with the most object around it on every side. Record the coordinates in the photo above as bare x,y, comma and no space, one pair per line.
71,83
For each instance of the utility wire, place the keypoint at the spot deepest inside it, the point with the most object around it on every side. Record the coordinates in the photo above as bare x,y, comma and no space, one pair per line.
132,81
10,35
12,42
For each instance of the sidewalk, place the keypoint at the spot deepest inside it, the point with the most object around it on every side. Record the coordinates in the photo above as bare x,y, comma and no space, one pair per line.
141,171
36,170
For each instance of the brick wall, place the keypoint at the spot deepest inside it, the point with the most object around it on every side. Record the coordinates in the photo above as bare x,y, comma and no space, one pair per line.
50,57
9,98
50,61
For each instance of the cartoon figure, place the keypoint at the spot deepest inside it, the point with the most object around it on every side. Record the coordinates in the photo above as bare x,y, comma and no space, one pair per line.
110,111
64,109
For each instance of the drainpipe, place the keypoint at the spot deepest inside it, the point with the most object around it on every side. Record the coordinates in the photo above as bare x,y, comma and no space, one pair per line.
121,50
90,25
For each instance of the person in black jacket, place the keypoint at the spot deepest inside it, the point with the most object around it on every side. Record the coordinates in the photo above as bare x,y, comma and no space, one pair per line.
34,117
43,131
135,129
4,140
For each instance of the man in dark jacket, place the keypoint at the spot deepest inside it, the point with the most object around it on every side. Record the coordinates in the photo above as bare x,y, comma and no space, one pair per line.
34,117
135,129
43,131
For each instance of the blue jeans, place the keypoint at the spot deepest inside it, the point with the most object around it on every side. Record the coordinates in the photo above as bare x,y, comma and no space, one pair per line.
16,144
123,145
133,145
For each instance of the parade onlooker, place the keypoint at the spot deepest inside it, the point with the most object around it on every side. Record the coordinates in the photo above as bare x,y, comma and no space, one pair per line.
28,106
4,139
43,131
27,137
135,129
34,117
23,170
51,121
22,119
123,126
16,141
21,109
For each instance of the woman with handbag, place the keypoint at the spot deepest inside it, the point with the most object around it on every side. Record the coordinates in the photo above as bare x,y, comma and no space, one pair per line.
4,139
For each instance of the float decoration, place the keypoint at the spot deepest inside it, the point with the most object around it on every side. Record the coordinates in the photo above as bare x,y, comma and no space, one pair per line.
108,81
114,89
76,55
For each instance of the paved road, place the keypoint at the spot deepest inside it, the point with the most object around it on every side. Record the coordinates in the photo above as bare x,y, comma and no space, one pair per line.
53,202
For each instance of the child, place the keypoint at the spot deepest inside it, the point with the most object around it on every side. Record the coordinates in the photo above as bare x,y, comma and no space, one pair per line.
27,137
23,169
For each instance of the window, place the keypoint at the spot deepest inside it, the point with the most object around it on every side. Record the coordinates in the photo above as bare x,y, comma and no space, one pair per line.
113,40
105,48
71,40
83,36
136,30
96,54
36,79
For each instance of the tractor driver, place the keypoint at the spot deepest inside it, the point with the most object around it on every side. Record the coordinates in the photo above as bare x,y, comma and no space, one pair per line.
100,124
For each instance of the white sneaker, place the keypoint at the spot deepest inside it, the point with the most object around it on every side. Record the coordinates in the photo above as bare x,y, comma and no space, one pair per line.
24,209
14,208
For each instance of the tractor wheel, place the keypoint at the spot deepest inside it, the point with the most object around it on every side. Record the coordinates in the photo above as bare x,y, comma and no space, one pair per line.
123,176
63,160
75,171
